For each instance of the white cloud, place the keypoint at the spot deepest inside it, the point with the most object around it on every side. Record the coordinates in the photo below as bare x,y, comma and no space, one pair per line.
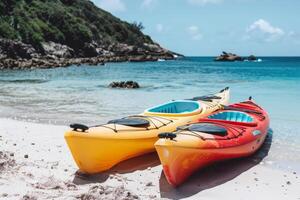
111,5
265,27
194,32
263,30
204,2
159,28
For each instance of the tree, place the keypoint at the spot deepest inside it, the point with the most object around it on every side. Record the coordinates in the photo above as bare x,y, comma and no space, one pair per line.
138,25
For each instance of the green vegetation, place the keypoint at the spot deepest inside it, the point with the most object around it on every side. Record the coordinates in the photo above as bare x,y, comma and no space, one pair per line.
69,22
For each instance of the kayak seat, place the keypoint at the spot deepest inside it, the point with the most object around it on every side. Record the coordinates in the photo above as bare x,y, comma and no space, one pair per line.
183,106
130,121
235,116
208,128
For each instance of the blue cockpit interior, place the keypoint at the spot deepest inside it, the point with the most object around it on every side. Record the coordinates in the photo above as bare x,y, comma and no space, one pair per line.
232,116
176,107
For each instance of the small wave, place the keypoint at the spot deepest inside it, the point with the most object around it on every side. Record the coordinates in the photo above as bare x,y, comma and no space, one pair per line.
233,81
102,86
258,60
25,81
162,87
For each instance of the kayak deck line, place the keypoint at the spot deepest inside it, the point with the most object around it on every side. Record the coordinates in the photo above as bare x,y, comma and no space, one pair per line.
141,124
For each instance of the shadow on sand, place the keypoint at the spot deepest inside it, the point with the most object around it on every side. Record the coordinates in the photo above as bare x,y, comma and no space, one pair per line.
206,178
127,166
214,175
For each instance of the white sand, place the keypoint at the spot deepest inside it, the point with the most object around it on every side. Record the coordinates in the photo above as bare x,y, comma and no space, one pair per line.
49,173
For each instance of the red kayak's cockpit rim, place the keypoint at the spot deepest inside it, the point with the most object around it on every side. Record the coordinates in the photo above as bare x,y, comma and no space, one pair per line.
249,124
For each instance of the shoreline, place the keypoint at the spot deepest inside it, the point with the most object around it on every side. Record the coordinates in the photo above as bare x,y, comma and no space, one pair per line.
52,62
15,54
36,158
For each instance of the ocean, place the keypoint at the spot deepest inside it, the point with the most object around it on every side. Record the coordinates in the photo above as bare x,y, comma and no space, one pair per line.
80,94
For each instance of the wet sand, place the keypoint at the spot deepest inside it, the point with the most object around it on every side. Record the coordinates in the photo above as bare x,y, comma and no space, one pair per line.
35,163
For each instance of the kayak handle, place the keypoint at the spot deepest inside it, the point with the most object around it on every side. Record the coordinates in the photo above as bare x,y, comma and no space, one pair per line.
80,127
227,88
167,135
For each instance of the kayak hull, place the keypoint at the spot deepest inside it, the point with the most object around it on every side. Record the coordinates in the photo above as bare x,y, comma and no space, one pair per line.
185,154
102,154
180,163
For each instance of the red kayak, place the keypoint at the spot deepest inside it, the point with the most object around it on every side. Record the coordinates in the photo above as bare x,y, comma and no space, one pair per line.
236,131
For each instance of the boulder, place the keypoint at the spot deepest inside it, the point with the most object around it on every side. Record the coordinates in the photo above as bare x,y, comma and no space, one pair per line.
57,50
124,84
154,48
89,50
93,49
251,58
121,49
16,49
228,57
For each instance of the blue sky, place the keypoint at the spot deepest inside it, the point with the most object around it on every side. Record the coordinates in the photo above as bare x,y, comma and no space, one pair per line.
207,27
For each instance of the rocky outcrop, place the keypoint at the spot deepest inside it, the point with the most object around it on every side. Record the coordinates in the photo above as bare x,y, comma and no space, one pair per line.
17,55
251,58
57,50
124,84
146,49
233,57
228,57
16,49
47,62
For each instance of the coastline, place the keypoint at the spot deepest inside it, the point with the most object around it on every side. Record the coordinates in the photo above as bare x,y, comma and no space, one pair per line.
15,54
35,157
52,62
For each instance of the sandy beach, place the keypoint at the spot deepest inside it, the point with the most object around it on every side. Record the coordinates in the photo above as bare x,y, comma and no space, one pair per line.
35,163
115,70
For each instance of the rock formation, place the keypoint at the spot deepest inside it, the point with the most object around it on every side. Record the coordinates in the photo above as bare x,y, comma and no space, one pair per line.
124,84
228,57
225,56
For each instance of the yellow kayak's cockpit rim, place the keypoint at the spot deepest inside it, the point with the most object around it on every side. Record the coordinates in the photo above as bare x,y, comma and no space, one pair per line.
178,108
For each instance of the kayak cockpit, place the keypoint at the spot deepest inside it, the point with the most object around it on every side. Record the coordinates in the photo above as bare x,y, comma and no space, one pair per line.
180,107
234,116
207,128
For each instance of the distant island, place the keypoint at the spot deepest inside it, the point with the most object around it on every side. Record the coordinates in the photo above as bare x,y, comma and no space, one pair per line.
37,33
225,56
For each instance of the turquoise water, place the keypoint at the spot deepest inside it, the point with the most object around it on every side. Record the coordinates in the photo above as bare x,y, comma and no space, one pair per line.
80,94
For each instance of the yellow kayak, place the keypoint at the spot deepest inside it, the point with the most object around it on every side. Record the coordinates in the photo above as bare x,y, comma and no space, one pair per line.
98,148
